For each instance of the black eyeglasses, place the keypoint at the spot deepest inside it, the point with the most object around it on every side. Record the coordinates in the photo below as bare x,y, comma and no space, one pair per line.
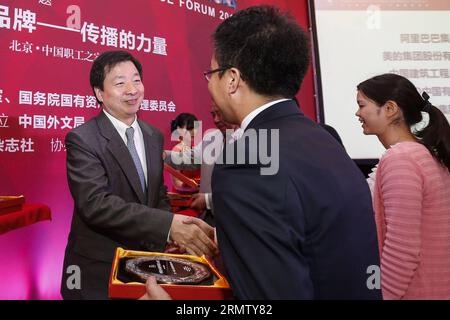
208,73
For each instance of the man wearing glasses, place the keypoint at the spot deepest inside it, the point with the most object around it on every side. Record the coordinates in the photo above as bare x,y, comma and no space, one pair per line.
307,231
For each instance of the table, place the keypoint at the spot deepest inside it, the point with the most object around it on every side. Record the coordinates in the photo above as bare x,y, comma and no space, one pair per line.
30,213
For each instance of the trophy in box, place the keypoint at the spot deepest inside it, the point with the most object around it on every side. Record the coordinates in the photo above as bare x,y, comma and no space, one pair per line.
184,277
168,269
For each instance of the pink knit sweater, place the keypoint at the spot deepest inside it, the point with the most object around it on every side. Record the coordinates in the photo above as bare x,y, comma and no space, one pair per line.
412,212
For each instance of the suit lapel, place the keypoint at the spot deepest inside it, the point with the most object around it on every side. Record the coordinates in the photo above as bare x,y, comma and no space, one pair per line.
120,152
151,152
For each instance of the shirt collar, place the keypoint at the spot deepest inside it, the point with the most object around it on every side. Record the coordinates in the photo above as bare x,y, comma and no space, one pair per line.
120,126
254,113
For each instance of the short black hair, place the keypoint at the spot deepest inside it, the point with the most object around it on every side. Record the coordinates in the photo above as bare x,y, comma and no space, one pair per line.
104,62
269,48
183,120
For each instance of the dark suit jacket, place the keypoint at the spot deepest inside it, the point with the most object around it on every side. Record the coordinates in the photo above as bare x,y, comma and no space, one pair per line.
308,231
110,208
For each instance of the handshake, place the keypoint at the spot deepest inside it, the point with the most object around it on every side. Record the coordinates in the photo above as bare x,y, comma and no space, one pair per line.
193,236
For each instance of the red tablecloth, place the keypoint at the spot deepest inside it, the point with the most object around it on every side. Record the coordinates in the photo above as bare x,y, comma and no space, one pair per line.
30,213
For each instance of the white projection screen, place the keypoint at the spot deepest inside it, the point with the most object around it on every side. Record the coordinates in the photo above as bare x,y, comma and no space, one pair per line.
357,39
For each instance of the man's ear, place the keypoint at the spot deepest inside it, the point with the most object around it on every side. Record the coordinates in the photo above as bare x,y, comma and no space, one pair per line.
98,94
233,80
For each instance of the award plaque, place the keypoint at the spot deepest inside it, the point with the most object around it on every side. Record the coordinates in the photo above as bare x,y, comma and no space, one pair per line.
184,277
168,269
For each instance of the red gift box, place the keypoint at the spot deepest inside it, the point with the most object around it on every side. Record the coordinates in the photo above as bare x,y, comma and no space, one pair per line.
219,290
11,203
179,199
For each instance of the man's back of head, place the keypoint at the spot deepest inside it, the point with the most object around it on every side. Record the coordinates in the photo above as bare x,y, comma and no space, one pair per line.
268,47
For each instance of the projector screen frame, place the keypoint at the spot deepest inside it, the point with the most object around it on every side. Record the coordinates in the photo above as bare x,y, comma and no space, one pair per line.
318,95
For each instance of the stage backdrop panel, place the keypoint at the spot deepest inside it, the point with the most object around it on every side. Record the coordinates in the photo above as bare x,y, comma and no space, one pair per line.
46,49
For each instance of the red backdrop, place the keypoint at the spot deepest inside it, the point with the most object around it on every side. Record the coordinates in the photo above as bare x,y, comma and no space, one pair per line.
46,50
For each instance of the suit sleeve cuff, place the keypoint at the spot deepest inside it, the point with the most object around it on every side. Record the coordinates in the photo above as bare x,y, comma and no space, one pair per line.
208,200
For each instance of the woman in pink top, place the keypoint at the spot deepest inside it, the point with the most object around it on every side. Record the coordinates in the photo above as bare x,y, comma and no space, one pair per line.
410,187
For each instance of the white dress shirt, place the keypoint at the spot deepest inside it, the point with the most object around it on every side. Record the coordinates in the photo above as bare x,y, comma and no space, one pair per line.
254,113
138,138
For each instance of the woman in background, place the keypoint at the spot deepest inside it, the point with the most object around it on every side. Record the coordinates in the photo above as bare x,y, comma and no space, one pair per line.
410,187
183,126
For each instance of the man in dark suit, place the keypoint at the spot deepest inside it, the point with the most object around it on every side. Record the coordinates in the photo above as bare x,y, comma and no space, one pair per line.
114,171
300,226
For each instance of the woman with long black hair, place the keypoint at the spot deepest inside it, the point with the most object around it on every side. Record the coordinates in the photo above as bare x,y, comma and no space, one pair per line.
410,187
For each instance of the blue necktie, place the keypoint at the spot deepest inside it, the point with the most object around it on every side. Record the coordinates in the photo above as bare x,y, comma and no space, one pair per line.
137,162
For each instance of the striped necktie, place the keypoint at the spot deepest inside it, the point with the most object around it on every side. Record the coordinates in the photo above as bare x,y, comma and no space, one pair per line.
137,162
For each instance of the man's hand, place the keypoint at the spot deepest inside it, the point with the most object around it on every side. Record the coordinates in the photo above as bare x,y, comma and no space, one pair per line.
207,229
197,237
154,291
198,202
173,247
